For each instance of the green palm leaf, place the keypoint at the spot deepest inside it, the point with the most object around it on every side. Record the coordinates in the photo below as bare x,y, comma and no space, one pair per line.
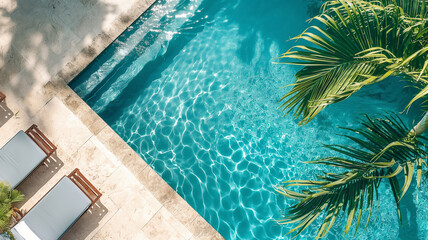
358,43
413,8
8,196
384,150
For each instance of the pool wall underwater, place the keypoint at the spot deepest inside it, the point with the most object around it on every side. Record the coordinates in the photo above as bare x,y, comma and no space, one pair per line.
191,86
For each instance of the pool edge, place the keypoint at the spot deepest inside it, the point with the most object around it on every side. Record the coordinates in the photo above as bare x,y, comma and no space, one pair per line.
58,87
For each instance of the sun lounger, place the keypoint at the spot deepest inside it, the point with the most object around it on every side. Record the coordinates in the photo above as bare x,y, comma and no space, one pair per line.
58,210
23,154
2,97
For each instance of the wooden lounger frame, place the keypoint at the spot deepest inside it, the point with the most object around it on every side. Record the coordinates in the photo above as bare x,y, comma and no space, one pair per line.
2,97
83,183
41,140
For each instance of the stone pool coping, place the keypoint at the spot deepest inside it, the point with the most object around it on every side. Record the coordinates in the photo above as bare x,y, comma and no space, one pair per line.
58,87
137,203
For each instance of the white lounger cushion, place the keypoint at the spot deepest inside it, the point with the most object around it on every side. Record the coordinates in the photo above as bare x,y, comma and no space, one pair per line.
18,158
24,232
50,218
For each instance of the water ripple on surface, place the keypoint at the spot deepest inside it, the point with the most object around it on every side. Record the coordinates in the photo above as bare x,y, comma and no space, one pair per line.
206,118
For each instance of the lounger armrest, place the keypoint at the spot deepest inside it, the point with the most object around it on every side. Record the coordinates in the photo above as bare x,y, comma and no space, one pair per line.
17,214
2,97
87,188
41,140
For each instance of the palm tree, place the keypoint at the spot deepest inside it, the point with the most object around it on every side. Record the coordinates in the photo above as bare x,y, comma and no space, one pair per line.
358,43
386,149
8,196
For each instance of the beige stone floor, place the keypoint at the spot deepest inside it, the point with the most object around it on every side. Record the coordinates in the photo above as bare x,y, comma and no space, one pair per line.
44,44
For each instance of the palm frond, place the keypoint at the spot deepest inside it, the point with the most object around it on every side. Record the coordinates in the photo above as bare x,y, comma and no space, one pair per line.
384,150
8,196
358,43
335,194
412,8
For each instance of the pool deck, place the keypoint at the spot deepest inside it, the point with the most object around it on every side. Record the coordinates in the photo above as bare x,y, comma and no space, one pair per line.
44,44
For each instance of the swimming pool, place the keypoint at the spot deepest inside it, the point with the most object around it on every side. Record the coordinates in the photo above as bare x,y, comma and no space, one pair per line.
191,87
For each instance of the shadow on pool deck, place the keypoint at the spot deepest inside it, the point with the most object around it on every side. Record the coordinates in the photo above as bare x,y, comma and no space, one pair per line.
89,221
38,38
38,178
5,113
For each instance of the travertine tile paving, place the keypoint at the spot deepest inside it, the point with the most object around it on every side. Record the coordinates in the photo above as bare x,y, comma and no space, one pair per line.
44,44
60,124
174,229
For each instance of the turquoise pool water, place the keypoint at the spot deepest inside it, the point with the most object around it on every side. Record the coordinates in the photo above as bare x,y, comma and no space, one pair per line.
191,87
